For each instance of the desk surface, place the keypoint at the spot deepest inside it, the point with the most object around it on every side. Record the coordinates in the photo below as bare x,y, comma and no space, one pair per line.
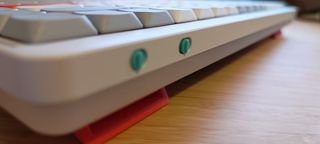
267,93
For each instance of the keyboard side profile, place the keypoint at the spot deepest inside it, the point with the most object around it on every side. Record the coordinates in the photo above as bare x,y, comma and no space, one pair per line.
58,86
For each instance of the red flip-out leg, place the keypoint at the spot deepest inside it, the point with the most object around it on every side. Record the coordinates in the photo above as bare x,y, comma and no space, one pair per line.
276,35
13,6
9,5
16,5
110,126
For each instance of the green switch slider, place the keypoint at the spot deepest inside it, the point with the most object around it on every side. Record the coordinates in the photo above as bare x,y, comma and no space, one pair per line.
185,45
138,59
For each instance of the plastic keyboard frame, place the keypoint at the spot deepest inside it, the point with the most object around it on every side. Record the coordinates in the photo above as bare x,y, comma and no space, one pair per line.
58,87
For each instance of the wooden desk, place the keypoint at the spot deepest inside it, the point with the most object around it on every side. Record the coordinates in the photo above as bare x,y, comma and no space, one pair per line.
266,94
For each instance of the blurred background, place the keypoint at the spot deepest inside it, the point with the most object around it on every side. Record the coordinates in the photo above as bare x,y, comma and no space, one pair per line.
306,5
308,9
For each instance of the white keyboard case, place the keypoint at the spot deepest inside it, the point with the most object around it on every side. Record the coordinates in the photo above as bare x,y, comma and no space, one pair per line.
58,87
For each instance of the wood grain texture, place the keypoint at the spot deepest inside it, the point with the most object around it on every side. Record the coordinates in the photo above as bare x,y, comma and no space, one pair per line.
266,94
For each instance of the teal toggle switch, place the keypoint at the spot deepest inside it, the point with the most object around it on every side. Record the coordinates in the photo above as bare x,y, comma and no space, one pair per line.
185,45
138,59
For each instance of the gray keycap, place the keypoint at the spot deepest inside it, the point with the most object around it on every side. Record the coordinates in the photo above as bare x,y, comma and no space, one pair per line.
151,18
113,21
78,9
4,9
47,27
5,14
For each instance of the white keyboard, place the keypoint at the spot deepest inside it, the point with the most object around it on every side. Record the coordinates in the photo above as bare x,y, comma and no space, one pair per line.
65,65
48,23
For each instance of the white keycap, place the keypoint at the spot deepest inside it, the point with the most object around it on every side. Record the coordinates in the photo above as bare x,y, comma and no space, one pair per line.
77,9
261,7
250,8
257,7
203,13
241,9
151,17
180,15
113,21
232,10
219,11
37,8
47,27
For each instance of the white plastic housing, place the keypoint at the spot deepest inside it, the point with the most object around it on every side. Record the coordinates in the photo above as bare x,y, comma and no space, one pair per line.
56,88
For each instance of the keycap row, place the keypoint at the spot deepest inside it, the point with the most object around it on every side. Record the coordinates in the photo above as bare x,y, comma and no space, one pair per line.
51,24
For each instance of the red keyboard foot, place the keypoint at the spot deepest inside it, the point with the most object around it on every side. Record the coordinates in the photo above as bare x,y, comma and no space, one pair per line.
13,6
110,126
276,35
